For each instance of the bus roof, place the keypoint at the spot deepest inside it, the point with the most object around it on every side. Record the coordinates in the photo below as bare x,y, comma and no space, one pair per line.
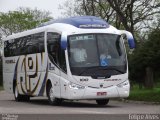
81,22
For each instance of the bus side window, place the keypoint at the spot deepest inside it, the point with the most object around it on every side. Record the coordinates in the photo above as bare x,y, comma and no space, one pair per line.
53,51
6,49
37,43
29,44
41,48
53,46
62,60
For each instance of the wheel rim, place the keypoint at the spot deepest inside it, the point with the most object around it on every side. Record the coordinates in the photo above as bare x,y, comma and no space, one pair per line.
51,94
16,92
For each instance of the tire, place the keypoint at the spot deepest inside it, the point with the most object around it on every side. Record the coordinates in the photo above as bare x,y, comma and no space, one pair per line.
52,100
25,98
19,97
102,102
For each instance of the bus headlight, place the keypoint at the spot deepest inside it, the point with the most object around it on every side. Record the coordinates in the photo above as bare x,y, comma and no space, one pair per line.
75,86
123,84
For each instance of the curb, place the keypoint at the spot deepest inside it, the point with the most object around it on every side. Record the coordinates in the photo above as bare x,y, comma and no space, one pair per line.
138,102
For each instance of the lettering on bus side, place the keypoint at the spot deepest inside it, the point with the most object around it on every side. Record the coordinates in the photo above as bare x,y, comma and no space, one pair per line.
29,73
10,61
51,67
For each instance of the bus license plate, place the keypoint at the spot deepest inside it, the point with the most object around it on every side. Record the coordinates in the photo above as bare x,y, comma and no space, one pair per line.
101,93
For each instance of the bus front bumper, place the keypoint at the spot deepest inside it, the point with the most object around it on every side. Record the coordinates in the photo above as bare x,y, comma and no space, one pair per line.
118,91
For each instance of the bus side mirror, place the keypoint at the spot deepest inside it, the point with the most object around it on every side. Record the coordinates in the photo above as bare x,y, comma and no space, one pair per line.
64,40
129,37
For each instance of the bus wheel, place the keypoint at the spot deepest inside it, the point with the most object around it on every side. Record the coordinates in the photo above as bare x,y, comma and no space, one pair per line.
25,98
102,102
51,98
19,97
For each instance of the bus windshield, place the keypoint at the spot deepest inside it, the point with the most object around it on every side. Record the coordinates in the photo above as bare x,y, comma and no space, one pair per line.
96,54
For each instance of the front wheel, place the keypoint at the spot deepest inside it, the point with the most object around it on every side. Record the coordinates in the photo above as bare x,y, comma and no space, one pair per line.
19,97
51,98
102,102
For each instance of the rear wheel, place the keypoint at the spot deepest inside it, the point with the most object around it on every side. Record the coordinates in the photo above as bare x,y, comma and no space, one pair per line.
51,97
19,97
102,102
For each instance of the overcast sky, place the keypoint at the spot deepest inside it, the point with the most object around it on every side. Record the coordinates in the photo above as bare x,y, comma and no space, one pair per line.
48,5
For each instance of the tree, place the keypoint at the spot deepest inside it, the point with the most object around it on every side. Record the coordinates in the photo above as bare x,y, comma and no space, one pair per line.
88,7
145,61
98,8
71,8
135,15
22,19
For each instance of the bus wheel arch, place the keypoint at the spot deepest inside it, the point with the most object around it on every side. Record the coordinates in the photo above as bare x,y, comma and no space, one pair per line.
14,84
50,94
15,91
18,97
48,84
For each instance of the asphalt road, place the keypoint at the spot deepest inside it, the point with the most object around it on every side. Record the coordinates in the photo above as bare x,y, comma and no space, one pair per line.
39,105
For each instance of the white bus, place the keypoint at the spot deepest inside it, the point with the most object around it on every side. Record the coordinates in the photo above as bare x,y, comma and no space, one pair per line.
77,58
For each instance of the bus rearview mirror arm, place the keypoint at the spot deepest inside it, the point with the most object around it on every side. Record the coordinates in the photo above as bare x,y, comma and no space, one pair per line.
130,38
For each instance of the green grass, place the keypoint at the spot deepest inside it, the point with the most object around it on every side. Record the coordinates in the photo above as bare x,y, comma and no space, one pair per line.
1,88
145,94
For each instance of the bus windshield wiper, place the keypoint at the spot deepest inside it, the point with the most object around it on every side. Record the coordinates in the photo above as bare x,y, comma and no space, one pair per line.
113,69
101,68
87,70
